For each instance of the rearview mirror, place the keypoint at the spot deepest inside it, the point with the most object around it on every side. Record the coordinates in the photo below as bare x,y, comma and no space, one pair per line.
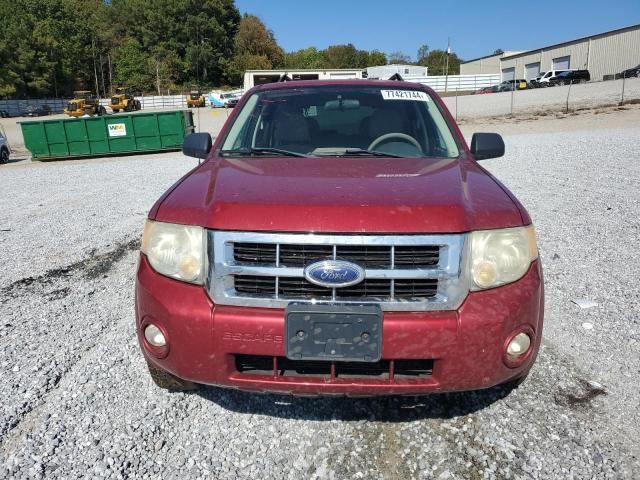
346,104
197,145
486,145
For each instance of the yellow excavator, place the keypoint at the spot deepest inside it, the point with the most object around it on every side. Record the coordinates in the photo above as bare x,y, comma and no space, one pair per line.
195,98
84,103
123,100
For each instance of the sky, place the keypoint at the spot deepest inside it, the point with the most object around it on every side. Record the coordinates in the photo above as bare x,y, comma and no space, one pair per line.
476,28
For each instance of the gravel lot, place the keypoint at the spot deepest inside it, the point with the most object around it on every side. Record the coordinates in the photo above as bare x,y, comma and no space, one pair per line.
76,400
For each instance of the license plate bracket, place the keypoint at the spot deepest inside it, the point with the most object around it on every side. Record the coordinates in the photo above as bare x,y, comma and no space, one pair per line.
345,333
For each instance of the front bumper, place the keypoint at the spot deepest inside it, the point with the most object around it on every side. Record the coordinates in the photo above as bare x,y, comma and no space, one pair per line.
467,346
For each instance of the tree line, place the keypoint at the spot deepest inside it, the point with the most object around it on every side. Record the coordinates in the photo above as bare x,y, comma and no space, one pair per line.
53,47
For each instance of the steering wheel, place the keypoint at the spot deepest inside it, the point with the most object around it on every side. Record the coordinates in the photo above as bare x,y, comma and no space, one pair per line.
399,136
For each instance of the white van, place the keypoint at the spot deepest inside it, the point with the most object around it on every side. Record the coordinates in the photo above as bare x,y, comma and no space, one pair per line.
542,80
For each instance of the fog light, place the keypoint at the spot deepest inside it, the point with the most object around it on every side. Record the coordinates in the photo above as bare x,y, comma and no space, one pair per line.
154,336
519,345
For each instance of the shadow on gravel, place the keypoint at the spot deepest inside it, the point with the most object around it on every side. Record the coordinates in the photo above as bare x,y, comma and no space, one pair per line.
382,409
93,267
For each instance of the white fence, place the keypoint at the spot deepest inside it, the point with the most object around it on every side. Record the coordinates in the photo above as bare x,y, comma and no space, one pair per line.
454,83
17,107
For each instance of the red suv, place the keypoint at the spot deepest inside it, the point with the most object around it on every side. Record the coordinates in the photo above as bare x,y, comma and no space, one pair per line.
341,238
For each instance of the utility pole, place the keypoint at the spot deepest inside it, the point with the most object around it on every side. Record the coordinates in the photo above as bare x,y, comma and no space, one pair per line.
104,90
110,76
158,76
95,68
446,70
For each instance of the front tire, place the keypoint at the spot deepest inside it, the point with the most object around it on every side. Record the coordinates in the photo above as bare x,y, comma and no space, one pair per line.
169,382
4,156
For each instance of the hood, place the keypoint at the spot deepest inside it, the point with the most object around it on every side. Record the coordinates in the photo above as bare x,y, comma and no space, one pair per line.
361,194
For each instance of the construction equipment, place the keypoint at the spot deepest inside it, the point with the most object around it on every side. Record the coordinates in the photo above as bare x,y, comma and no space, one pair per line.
195,98
123,100
84,103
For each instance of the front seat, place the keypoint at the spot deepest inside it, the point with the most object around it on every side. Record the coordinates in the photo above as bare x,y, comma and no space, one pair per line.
292,133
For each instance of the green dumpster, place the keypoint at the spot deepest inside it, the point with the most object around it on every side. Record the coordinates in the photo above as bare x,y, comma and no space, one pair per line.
107,135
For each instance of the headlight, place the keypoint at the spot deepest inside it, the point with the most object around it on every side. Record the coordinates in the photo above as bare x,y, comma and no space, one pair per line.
177,251
501,256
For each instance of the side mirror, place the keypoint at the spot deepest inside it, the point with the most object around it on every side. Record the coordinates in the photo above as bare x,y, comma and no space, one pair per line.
197,145
486,145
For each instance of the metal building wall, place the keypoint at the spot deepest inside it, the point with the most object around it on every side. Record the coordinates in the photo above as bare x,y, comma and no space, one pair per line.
615,53
481,65
604,54
577,51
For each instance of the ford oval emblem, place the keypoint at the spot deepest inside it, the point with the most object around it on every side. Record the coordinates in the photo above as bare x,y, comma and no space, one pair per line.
334,273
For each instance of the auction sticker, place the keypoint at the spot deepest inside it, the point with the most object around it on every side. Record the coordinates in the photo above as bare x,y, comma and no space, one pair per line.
414,95
117,130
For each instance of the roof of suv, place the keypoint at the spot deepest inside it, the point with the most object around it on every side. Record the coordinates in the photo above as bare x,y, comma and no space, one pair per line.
358,82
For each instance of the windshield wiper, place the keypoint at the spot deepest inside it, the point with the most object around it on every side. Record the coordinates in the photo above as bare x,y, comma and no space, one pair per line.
362,151
262,151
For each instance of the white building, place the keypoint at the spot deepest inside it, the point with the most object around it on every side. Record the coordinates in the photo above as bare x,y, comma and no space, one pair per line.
259,77
383,72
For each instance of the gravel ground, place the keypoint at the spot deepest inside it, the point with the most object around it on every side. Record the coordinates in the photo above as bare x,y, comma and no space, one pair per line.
76,399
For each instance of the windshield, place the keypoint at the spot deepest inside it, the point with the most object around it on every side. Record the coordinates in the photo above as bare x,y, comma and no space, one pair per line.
341,120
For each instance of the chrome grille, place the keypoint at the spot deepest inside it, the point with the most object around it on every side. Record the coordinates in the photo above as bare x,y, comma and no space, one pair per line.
376,289
402,272
367,256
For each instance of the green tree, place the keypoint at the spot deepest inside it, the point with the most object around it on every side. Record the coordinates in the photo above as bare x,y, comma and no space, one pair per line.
309,58
341,56
45,49
376,58
436,62
184,41
423,51
255,48
133,66
399,57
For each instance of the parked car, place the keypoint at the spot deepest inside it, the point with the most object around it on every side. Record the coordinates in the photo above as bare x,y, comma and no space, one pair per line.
340,238
484,90
631,72
4,114
232,102
569,77
508,85
5,151
542,80
36,111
